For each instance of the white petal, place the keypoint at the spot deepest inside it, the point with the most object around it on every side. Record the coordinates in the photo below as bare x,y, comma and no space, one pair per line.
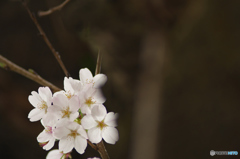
44,136
85,75
88,122
33,100
99,97
111,119
60,100
82,132
99,80
50,144
61,132
110,135
95,135
36,114
73,116
80,144
36,95
66,144
99,112
54,154
74,104
46,94
67,84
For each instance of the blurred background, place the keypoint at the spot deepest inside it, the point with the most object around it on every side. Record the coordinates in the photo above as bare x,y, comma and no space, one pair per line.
173,70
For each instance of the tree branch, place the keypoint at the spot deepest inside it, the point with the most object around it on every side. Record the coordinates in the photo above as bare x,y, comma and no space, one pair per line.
45,38
51,10
35,77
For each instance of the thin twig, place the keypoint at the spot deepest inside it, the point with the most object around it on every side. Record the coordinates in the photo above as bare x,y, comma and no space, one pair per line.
99,62
45,38
35,77
51,10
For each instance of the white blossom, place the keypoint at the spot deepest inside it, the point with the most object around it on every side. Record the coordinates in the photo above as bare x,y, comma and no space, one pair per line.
47,135
64,108
89,97
41,101
71,135
86,77
101,125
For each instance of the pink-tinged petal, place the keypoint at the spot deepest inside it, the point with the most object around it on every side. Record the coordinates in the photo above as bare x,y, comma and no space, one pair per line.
99,112
60,100
85,75
82,132
99,97
80,144
88,122
50,144
110,135
44,136
74,104
33,100
99,80
111,119
36,114
66,144
54,154
45,93
95,135
61,132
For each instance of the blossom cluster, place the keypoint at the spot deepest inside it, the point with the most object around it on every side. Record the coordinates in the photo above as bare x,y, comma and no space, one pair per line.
74,115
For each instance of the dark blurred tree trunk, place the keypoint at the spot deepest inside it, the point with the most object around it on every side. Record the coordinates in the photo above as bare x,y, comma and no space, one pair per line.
148,102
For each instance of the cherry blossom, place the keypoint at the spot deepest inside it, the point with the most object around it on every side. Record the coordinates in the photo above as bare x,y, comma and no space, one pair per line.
101,125
86,77
41,101
64,108
47,135
71,135
89,97
71,87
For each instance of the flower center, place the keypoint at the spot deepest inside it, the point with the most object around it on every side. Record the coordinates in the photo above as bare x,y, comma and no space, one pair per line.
101,124
66,113
48,129
43,105
68,94
89,101
73,133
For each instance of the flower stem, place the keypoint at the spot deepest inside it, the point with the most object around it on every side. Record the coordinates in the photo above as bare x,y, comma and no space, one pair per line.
8,65
102,150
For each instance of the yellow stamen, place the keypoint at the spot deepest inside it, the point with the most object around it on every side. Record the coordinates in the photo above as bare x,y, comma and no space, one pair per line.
101,124
73,133
89,101
66,113
42,106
